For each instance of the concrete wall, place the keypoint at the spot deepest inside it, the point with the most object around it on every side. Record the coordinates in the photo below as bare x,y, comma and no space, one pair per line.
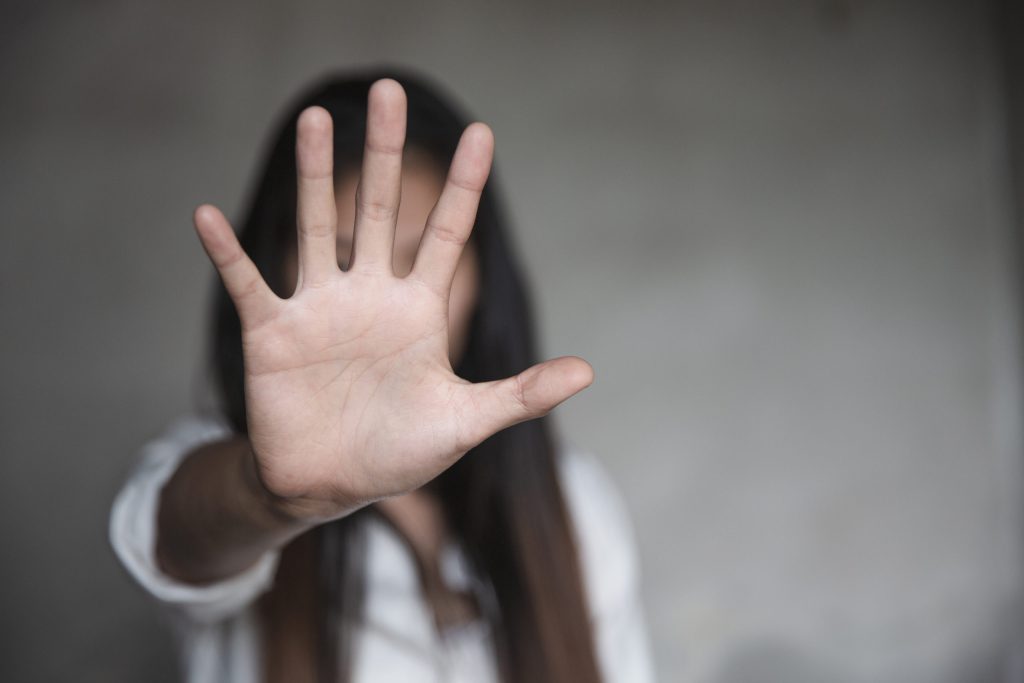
781,234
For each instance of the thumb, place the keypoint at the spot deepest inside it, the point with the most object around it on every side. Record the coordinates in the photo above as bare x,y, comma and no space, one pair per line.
532,393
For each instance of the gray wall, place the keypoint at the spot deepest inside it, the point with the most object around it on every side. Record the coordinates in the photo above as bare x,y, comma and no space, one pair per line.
782,236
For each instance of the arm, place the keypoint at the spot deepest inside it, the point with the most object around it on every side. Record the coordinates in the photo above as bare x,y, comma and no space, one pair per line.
133,527
215,517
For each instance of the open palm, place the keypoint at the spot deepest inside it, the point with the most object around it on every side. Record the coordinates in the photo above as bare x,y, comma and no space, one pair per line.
350,395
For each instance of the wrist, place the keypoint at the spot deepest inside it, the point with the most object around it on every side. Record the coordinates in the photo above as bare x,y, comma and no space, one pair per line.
273,510
282,511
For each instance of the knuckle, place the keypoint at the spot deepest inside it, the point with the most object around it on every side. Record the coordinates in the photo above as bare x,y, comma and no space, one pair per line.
518,394
229,261
376,210
319,228
443,233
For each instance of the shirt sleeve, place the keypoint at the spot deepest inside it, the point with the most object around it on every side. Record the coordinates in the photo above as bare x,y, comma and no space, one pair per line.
610,569
133,531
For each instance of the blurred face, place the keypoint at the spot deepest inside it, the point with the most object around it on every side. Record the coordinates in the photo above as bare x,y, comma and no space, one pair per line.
422,181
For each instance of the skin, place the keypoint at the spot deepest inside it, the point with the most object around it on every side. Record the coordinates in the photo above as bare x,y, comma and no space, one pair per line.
422,182
350,394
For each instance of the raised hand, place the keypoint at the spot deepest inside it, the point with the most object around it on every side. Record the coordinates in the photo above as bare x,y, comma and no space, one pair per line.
350,394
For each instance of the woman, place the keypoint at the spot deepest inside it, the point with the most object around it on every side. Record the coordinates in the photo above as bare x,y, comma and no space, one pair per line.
380,496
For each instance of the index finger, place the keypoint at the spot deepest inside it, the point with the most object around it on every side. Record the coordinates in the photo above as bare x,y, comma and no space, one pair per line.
451,220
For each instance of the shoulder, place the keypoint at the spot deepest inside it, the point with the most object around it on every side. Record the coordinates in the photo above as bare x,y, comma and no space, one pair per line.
604,531
610,568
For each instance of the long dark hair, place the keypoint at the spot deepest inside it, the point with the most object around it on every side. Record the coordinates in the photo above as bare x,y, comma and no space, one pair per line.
502,502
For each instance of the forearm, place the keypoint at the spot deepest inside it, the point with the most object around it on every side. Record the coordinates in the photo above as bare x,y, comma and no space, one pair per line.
215,518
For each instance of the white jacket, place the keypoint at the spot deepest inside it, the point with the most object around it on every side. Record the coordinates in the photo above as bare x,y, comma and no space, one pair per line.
397,641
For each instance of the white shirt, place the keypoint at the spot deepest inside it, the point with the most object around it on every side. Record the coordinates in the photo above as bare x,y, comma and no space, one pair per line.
397,640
